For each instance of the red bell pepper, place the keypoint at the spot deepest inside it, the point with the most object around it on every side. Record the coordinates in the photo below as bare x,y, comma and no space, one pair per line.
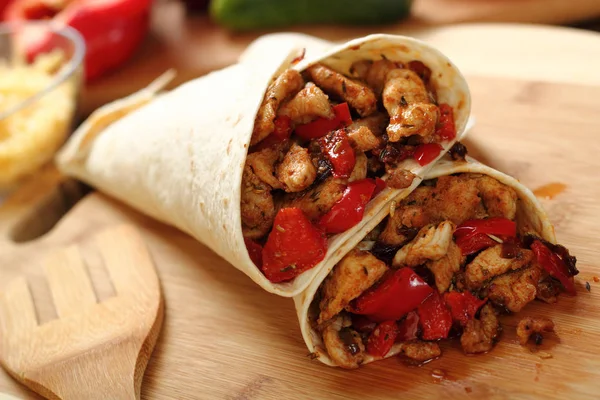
426,153
363,324
472,235
112,29
293,246
463,306
397,293
282,131
379,186
382,339
446,129
349,210
471,244
554,265
254,251
409,327
322,126
340,153
435,318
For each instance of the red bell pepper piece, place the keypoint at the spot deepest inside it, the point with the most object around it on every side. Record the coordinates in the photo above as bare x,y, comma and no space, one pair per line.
497,226
409,327
426,153
434,317
397,293
446,129
282,131
363,324
463,306
470,244
349,210
322,126
554,265
382,339
340,153
293,246
254,251
112,29
379,186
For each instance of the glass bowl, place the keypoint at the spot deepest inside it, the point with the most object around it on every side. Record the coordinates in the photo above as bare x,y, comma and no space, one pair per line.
41,74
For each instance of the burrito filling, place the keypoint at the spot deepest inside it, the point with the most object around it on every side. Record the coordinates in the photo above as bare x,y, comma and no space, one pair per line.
321,144
446,261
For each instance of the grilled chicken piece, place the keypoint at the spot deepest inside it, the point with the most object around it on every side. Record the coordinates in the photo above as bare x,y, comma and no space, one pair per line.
499,200
296,172
376,124
403,225
358,96
360,167
489,264
400,178
454,198
363,139
528,326
317,201
514,290
444,269
407,102
479,334
431,243
354,274
258,210
307,105
343,344
420,351
376,74
285,86
263,165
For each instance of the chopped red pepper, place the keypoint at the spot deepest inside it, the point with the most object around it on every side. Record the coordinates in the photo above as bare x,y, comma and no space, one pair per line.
322,126
472,235
282,131
434,317
446,129
471,244
382,339
554,265
254,251
293,246
340,153
397,293
409,327
379,186
463,306
349,210
362,324
426,153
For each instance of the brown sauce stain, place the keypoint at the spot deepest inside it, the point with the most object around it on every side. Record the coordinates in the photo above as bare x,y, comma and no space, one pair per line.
468,389
596,279
550,190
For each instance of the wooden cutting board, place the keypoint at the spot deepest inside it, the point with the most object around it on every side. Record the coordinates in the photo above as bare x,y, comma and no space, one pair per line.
225,338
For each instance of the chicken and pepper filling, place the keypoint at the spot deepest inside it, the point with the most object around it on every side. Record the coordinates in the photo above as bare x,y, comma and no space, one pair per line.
321,143
445,262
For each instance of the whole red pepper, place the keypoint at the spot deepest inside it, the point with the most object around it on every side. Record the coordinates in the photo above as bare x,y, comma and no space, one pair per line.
472,235
338,149
397,293
463,306
446,129
349,210
322,126
426,153
554,265
409,327
382,339
293,246
434,317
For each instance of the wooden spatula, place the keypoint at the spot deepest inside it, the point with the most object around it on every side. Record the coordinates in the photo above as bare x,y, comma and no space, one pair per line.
92,350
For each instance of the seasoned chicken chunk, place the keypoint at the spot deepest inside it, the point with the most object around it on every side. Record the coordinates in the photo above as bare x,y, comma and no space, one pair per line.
343,344
376,124
317,201
489,263
431,243
479,334
454,198
528,326
514,290
400,178
258,210
403,225
407,102
307,105
360,167
263,165
377,73
444,269
363,139
420,351
499,200
354,274
358,96
296,172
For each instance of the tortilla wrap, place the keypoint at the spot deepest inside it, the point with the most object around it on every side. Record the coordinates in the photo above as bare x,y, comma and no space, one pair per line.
530,214
180,158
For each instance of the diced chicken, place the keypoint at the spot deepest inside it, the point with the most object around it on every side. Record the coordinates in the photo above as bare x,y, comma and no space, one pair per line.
498,199
296,172
479,334
360,167
343,344
514,290
420,351
407,102
377,73
263,165
547,291
454,198
316,201
307,105
528,326
258,210
376,124
403,225
285,86
444,269
363,139
400,178
489,264
354,274
358,96
431,243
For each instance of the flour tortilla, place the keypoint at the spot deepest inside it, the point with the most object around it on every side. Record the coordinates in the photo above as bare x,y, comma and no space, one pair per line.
180,157
531,217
